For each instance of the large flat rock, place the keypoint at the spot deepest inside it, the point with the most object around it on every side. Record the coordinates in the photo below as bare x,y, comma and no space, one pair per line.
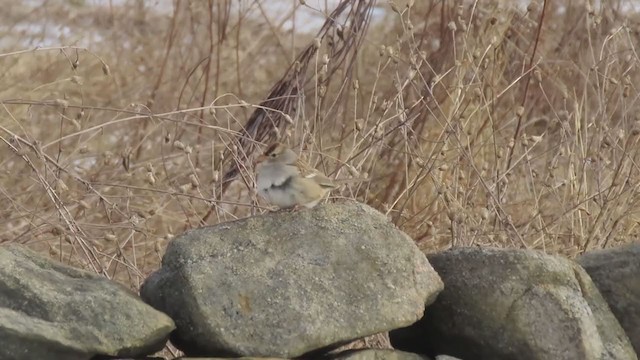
616,273
515,304
52,311
288,283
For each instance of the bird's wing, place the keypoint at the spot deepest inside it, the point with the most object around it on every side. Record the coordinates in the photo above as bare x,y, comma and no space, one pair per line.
310,173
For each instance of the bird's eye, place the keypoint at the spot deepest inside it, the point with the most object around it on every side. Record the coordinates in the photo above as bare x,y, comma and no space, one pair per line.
272,155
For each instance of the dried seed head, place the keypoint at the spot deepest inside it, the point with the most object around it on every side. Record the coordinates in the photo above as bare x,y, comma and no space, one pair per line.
151,180
322,74
520,111
359,123
57,230
378,132
302,2
443,167
275,132
179,145
317,42
411,73
322,90
455,214
535,138
325,59
193,179
452,26
340,31
394,7
61,103
356,85
484,213
61,186
110,237
149,167
83,204
53,252
184,188
589,8
463,24
353,171
390,51
288,119
106,70
76,80
626,91
451,215
563,115
386,104
537,74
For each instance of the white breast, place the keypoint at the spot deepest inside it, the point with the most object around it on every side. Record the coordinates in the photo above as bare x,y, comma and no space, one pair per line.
271,181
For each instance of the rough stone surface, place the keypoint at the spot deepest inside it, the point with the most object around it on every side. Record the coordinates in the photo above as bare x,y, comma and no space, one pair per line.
446,357
378,354
362,354
221,358
616,273
52,311
515,304
288,283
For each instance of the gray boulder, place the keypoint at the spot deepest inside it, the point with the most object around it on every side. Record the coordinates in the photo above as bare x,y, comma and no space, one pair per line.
446,357
222,358
288,283
515,304
616,273
378,354
52,311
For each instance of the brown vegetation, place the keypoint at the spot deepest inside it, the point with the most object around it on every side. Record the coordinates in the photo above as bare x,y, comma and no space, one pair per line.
477,122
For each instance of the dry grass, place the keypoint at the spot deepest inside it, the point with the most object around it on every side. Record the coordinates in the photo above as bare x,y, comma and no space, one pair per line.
477,122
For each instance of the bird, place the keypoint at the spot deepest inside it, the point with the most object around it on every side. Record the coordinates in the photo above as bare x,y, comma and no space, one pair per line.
288,183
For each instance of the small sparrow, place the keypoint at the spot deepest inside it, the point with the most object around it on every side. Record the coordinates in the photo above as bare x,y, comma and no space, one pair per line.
287,183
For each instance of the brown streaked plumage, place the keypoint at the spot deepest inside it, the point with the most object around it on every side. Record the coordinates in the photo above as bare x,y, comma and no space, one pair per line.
284,181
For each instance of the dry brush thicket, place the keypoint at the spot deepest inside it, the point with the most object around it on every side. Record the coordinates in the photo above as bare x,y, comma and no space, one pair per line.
476,122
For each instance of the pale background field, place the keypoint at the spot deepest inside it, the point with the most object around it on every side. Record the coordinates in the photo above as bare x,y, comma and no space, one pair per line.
121,122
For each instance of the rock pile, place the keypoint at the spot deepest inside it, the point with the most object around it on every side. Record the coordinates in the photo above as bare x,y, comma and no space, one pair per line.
305,284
